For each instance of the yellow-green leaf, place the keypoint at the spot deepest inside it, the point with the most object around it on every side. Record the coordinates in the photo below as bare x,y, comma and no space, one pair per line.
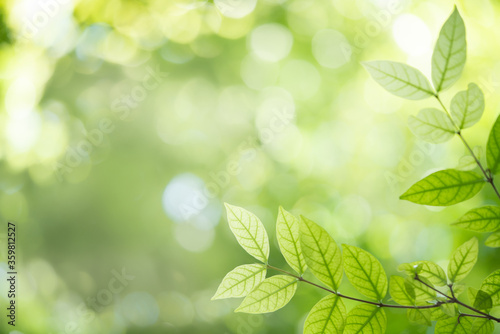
270,295
448,58
462,260
365,272
240,281
249,232
483,219
432,125
467,162
326,317
458,289
419,316
422,293
453,326
491,285
399,294
449,309
480,299
493,240
467,106
434,273
482,326
438,314
410,268
321,253
446,187
366,319
493,148
288,234
400,79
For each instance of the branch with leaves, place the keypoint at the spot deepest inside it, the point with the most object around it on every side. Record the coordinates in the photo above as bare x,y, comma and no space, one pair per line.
449,186
427,292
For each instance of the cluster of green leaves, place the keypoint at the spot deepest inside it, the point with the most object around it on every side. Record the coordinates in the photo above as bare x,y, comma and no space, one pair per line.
427,292
437,125
306,246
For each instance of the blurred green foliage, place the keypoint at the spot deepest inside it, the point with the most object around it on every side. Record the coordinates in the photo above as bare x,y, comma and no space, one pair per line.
106,164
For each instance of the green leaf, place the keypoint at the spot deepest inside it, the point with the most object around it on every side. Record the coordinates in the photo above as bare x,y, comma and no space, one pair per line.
438,314
410,268
410,289
467,162
366,319
483,219
493,240
288,234
434,273
241,281
482,326
493,148
423,294
448,58
365,272
270,295
326,317
321,253
432,125
453,326
398,291
458,289
249,232
491,285
467,106
400,79
480,299
419,316
462,260
449,309
443,188
471,294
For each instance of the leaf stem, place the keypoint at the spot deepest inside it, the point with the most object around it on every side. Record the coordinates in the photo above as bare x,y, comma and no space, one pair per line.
451,290
300,278
486,172
472,315
417,278
451,300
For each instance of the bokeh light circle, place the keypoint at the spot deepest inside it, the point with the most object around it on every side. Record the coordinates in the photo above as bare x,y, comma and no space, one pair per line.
412,35
330,48
271,42
301,78
140,308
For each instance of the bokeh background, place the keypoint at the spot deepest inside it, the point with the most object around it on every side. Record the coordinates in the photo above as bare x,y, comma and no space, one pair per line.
125,125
